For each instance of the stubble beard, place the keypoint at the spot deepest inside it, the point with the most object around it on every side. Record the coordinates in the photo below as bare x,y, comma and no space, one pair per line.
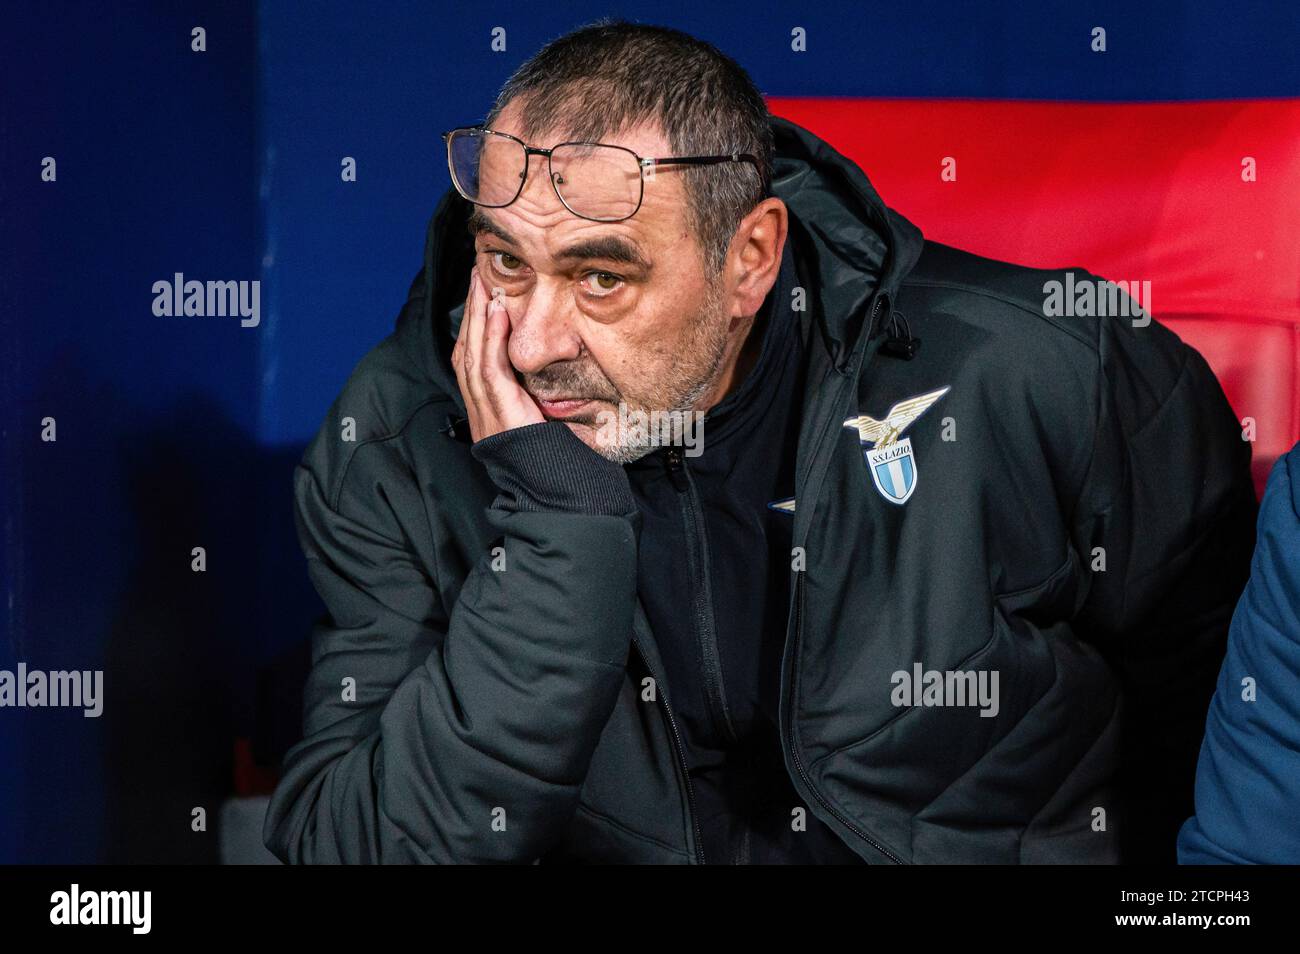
689,377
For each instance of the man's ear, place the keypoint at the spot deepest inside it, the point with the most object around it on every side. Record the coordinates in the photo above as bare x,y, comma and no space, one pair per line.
754,258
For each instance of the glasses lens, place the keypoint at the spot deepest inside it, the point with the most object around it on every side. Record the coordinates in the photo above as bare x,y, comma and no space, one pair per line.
597,182
486,168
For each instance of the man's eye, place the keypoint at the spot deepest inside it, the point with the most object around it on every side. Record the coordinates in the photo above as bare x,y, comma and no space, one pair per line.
602,283
507,262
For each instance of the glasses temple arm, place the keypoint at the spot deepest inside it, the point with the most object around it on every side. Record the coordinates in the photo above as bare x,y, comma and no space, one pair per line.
700,160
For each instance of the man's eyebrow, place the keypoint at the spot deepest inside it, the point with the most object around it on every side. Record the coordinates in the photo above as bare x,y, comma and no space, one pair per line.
610,248
479,223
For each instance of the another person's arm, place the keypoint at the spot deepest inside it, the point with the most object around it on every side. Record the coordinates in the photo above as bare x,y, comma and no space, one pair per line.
1248,777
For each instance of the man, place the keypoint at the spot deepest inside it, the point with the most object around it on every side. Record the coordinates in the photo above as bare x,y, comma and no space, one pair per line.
949,581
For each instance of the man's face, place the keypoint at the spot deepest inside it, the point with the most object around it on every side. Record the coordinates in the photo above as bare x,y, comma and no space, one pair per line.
604,313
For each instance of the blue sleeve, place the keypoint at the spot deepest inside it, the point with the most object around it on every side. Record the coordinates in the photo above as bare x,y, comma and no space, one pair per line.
1248,774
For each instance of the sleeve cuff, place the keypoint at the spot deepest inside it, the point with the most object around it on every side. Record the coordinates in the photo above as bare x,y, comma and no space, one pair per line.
546,467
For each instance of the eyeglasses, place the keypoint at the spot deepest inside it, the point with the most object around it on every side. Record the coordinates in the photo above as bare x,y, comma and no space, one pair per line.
594,180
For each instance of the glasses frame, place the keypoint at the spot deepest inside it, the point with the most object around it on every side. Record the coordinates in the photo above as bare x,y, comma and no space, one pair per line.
642,162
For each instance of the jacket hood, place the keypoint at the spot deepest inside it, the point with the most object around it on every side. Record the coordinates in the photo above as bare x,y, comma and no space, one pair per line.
847,244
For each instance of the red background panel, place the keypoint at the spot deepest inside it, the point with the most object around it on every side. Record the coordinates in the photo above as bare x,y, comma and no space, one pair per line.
1138,192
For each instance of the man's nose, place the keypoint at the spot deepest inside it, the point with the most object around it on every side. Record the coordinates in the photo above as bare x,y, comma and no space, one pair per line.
541,330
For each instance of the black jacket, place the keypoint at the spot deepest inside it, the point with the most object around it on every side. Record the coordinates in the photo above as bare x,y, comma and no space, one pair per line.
1078,521
713,573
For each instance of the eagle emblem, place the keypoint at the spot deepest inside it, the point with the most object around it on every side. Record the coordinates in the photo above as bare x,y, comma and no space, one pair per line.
888,454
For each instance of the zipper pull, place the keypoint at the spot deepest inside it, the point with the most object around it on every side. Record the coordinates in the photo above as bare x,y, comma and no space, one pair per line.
676,468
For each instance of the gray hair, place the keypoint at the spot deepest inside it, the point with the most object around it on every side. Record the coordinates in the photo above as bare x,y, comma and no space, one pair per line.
612,75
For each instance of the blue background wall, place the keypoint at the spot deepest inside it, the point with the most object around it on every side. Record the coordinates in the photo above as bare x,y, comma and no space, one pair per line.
175,433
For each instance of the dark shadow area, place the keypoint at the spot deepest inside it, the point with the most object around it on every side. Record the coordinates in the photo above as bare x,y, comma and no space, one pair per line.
174,649
191,655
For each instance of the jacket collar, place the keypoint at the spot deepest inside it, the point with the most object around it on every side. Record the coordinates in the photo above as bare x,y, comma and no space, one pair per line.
849,244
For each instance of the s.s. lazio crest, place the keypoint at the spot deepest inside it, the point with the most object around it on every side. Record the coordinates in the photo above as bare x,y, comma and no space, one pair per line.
888,454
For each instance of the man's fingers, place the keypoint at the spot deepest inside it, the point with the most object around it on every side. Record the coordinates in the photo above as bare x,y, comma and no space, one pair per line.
471,334
474,344
458,352
513,404
493,397
495,364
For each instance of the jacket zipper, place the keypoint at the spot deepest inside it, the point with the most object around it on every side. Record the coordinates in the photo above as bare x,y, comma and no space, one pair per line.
794,749
697,563
881,302
675,465
678,750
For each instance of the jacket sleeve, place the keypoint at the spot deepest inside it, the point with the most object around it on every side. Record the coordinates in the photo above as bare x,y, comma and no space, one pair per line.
1169,506
1248,777
464,734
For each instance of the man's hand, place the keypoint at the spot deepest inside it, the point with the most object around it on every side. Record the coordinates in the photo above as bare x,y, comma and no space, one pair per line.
494,400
